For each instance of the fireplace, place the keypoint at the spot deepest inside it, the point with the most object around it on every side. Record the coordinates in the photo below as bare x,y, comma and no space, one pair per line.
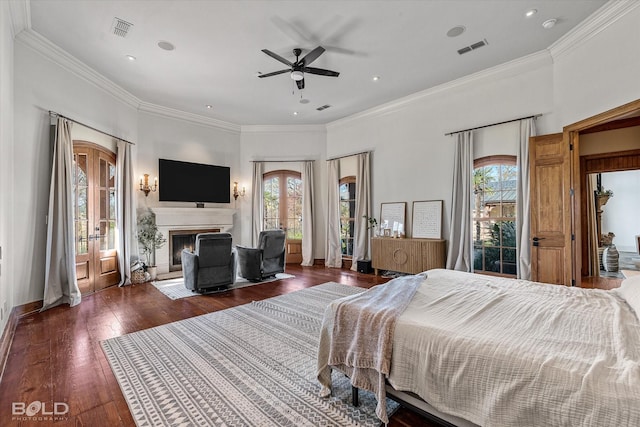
182,239
190,221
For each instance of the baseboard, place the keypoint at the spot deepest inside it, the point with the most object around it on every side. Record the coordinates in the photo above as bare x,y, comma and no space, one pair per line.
10,329
318,261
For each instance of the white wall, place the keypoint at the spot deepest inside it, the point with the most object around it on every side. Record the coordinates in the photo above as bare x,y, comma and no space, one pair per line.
40,85
600,73
270,144
412,157
168,138
620,214
6,163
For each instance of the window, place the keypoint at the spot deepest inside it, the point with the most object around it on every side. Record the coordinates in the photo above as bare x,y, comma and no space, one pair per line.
283,202
347,214
494,215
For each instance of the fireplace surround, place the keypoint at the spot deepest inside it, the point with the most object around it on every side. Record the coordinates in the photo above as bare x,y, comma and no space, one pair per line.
177,220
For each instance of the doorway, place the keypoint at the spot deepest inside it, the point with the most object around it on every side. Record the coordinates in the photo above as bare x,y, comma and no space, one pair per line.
610,202
283,209
94,218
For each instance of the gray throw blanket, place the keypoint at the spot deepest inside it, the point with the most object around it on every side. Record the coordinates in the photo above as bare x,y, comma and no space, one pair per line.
361,340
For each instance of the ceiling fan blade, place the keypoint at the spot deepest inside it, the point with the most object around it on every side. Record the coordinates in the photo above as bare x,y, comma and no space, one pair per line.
311,56
277,57
300,84
275,73
321,72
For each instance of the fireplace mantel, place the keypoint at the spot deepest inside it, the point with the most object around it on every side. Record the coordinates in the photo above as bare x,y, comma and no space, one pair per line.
177,218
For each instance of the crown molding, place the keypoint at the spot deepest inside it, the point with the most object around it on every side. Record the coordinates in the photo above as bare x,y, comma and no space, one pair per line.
62,58
527,63
283,128
169,112
20,13
609,13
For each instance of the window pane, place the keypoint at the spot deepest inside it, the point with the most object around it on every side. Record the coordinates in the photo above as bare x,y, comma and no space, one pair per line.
494,213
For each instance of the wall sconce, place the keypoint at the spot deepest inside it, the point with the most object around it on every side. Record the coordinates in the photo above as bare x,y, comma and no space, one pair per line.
237,193
144,184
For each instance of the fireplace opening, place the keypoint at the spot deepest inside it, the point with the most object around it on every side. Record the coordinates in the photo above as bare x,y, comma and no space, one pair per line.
183,239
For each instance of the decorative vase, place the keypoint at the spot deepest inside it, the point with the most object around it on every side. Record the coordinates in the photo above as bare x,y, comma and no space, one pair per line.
610,258
152,272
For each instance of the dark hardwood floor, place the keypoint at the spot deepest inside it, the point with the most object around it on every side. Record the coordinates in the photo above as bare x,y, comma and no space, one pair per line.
56,355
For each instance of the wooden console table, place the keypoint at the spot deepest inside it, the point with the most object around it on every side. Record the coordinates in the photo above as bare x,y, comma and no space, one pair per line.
407,255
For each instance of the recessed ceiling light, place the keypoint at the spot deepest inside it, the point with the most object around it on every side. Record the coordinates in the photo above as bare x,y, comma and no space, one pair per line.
531,12
295,113
165,45
375,78
131,57
209,107
456,31
549,23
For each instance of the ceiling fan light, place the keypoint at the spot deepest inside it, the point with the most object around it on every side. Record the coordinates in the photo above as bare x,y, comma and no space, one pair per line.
297,75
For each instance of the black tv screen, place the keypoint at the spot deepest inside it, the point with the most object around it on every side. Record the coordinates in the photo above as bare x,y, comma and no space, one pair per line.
193,182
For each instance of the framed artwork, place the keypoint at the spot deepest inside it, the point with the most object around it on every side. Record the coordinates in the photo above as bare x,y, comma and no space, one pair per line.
427,219
392,217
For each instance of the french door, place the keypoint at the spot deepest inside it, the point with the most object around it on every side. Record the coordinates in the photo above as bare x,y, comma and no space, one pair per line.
283,209
94,207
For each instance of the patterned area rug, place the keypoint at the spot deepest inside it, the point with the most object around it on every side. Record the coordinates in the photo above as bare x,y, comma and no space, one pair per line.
174,288
252,365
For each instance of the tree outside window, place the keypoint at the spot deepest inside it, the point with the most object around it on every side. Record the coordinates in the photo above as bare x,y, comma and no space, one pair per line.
494,215
347,214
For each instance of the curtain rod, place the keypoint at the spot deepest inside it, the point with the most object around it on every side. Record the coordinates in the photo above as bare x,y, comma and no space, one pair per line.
535,116
53,113
282,161
348,155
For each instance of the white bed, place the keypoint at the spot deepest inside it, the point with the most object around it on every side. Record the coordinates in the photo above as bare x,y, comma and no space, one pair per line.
504,352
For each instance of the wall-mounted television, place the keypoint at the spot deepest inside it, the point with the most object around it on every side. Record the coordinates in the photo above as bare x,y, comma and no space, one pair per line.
193,182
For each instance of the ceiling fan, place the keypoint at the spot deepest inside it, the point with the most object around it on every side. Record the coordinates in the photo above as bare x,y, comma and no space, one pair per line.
298,68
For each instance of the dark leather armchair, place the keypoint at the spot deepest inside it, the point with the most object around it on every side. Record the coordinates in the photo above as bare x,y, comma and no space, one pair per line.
266,260
212,265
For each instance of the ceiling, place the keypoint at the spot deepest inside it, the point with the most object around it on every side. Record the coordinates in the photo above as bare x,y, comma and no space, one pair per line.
218,45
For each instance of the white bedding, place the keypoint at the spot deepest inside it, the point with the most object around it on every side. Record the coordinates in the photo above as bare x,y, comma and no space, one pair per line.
504,352
501,352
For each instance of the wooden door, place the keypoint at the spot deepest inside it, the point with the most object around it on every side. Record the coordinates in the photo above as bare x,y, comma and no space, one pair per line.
94,201
550,176
283,209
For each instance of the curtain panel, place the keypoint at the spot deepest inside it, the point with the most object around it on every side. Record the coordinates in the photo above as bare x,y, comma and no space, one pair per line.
60,284
460,254
361,237
126,221
333,249
523,204
307,213
256,202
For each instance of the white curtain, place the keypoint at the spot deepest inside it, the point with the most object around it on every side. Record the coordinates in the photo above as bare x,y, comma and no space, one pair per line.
592,226
361,246
307,213
333,249
60,284
523,205
460,255
125,212
257,201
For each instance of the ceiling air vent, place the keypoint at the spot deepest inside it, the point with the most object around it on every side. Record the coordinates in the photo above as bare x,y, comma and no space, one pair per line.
120,27
473,46
324,107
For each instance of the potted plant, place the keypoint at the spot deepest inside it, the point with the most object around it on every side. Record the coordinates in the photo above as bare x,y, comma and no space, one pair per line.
150,238
372,223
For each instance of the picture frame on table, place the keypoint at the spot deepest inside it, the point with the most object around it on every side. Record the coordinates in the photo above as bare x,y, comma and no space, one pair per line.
392,217
426,219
